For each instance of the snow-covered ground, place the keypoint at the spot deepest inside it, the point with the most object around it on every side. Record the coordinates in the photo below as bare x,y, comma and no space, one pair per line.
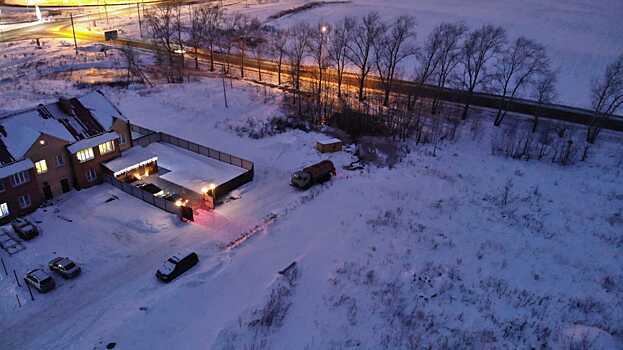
425,253
581,36
459,250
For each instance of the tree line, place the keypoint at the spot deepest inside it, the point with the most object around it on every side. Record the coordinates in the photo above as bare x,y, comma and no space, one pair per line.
482,59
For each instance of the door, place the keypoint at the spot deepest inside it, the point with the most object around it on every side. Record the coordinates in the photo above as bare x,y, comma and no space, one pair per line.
65,185
47,191
187,213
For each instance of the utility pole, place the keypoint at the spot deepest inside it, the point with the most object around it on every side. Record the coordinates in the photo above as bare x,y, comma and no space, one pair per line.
106,11
73,29
140,26
224,91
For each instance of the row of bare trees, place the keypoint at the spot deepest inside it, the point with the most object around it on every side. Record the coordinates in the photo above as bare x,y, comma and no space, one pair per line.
483,59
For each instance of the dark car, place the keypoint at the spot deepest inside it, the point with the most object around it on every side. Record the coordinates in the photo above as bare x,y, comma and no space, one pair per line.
40,280
25,229
176,265
151,188
64,267
171,197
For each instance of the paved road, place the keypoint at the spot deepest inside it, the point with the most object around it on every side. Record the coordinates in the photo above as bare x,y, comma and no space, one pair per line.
62,28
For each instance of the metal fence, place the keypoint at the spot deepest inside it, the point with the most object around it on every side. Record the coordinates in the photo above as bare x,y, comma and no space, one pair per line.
144,195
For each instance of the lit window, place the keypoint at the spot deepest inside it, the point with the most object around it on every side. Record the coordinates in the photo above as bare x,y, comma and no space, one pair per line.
91,175
107,147
20,178
42,167
60,160
85,155
24,201
4,210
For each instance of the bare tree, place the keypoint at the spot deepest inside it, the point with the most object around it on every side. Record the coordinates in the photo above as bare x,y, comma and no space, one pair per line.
259,48
427,58
338,44
244,30
161,24
318,42
360,47
279,44
449,53
543,91
298,45
132,60
607,97
479,48
521,62
211,17
228,36
195,34
391,49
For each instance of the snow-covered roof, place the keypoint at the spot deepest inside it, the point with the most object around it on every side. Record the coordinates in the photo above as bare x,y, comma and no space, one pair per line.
92,142
101,108
133,158
23,129
329,141
15,168
190,170
70,120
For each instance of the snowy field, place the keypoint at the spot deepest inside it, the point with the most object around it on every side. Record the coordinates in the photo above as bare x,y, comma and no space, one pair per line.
425,253
459,250
581,36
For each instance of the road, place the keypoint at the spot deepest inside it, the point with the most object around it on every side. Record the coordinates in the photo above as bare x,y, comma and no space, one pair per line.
61,28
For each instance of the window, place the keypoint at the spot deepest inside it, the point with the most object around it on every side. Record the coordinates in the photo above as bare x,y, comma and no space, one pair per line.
122,139
85,155
91,175
42,167
4,210
60,160
2,185
107,147
24,201
20,178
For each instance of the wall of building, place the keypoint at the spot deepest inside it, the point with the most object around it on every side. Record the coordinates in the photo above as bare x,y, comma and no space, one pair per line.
81,169
10,195
123,129
48,151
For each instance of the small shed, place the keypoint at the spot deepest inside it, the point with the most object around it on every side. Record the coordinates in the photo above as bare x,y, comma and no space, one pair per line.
329,146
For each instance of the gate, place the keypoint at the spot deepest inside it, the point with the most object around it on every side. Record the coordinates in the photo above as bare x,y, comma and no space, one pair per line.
187,213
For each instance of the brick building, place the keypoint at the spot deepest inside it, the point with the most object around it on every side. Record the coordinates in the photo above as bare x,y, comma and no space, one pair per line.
51,149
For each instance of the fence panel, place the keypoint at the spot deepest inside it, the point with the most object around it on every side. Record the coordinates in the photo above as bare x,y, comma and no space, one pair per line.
143,195
236,161
213,154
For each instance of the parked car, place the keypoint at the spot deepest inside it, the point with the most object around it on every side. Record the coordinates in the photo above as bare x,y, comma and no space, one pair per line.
313,174
25,229
176,265
64,267
171,197
40,280
151,188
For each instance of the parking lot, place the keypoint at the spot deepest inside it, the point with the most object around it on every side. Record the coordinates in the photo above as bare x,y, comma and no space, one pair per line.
108,233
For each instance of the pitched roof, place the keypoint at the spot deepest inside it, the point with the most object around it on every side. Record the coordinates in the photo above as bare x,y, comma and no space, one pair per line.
71,120
101,108
15,168
92,142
